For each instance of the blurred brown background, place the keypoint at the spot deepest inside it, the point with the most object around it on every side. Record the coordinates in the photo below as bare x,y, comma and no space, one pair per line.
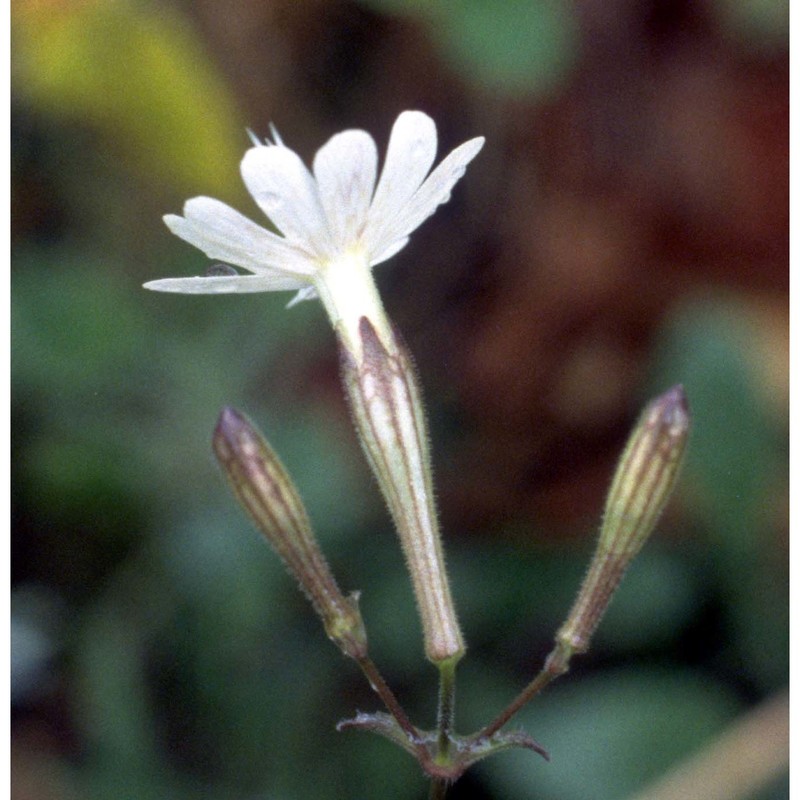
624,229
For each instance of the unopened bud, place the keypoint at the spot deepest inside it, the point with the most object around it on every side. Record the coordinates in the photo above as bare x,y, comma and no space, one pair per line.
643,482
387,410
263,487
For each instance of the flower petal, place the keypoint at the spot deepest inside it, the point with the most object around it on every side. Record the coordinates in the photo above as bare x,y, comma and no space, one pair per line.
224,234
226,284
433,192
285,191
345,169
306,293
393,249
409,157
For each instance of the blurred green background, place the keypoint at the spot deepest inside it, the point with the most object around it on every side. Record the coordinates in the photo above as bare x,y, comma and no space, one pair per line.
624,229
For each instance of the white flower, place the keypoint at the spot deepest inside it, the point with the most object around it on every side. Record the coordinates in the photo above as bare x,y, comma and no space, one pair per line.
336,223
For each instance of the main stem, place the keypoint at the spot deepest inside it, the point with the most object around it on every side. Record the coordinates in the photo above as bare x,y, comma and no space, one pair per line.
446,710
444,723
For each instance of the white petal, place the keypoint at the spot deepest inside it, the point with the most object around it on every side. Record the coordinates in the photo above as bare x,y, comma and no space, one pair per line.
287,194
224,234
226,284
435,191
306,293
345,170
411,151
393,249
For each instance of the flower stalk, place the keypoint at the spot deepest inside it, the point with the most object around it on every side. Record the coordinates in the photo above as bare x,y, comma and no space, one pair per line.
642,484
334,223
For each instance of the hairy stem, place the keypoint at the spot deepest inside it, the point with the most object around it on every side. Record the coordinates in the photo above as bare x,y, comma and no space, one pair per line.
557,664
446,710
381,688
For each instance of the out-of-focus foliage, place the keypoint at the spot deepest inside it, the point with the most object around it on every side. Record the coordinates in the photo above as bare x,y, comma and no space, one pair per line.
136,73
517,45
160,651
599,729
763,22
738,459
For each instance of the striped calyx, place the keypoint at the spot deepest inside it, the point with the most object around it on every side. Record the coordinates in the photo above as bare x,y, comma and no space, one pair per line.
384,396
265,490
643,482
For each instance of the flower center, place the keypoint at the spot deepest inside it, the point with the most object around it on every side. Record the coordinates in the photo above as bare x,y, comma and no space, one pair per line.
347,290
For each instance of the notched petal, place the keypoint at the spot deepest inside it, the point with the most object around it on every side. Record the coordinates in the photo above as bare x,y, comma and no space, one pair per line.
345,169
286,192
433,192
224,234
409,157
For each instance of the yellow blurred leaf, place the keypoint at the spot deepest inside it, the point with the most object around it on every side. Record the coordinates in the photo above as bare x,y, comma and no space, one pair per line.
137,73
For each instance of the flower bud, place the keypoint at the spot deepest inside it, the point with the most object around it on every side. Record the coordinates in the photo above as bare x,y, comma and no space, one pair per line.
389,418
263,487
643,482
